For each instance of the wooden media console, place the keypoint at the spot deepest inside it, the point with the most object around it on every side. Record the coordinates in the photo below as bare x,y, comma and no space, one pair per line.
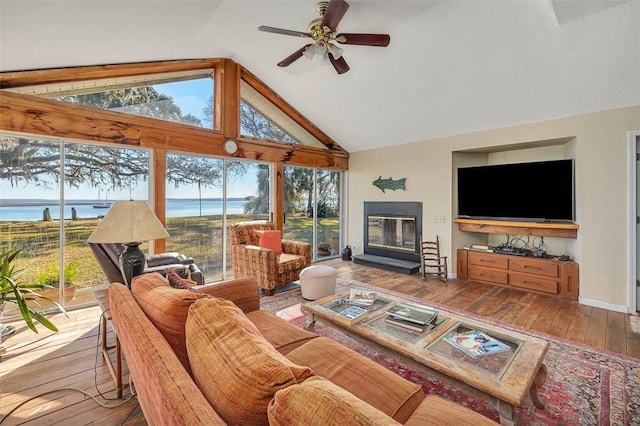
547,276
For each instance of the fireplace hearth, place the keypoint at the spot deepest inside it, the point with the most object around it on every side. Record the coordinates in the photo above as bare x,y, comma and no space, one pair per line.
392,236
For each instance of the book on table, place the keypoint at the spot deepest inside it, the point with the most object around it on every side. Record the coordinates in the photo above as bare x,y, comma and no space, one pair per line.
352,312
476,343
413,326
417,314
361,297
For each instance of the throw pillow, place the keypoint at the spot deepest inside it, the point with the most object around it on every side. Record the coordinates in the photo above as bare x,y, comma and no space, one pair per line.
166,308
236,368
176,281
271,239
317,401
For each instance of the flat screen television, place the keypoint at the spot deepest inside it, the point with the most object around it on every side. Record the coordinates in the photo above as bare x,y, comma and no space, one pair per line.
537,191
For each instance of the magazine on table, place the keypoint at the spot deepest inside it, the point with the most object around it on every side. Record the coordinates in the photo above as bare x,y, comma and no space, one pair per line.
361,297
352,312
476,343
412,313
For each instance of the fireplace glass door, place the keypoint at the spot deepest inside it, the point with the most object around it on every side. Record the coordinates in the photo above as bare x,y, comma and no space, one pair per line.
393,233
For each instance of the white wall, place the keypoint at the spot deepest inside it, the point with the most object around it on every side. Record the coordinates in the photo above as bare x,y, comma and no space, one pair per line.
598,143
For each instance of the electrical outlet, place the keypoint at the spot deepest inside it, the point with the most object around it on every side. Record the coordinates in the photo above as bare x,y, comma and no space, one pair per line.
439,219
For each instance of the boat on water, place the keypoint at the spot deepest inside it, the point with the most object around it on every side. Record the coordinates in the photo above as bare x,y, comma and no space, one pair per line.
103,205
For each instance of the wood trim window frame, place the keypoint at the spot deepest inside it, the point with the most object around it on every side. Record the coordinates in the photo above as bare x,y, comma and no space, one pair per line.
28,114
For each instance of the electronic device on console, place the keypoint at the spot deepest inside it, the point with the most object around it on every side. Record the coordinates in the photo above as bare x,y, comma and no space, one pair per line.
506,249
539,253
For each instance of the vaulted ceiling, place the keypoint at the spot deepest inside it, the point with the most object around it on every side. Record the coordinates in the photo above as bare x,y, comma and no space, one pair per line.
452,66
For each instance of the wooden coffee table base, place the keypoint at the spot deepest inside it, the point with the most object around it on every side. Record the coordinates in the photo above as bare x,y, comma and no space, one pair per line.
538,381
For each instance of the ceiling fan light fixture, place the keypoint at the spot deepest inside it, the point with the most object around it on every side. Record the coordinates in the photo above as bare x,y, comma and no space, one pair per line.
335,51
324,59
309,52
320,47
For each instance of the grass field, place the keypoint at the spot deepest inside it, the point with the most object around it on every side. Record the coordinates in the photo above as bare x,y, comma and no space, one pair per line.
199,237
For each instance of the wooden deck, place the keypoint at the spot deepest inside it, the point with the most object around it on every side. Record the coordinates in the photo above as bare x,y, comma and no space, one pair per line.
47,362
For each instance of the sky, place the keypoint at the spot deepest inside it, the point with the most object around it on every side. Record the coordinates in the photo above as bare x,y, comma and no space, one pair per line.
191,96
236,188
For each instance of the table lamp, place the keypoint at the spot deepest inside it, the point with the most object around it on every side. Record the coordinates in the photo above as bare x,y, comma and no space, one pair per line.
129,223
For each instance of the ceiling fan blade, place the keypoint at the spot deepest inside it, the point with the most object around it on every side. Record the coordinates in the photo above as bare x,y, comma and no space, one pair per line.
293,57
334,14
339,64
283,32
381,40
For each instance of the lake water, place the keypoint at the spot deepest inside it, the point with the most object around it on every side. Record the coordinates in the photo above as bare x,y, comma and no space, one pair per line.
30,210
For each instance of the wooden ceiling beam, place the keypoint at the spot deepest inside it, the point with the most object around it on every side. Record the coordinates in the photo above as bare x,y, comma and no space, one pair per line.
13,79
48,118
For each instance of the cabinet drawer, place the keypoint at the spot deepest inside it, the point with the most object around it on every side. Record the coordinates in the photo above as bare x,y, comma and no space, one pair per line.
530,282
487,274
489,260
529,266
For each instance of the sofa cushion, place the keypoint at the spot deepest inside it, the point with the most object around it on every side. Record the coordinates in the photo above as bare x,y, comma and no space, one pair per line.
270,239
317,401
237,370
283,335
290,262
435,410
366,379
167,308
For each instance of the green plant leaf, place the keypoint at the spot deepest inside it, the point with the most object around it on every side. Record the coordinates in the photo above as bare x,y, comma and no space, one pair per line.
44,321
13,291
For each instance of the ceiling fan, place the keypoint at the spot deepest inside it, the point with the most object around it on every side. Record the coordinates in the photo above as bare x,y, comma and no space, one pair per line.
324,31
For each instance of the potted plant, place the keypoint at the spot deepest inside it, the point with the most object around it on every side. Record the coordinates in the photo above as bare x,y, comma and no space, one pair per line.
50,277
24,295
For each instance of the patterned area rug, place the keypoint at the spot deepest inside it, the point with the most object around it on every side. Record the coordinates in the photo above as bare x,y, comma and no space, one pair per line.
584,386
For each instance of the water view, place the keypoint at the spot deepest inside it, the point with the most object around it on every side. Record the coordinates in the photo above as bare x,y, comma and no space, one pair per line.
31,209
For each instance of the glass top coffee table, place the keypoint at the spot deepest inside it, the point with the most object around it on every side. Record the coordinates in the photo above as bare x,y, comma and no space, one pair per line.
505,366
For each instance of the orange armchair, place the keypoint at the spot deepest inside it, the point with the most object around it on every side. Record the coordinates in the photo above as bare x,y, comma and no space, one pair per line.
269,269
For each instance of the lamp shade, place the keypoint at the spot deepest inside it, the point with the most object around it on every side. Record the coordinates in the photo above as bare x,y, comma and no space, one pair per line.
128,222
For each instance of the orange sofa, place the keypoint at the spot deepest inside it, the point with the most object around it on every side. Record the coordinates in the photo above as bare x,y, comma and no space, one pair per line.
202,360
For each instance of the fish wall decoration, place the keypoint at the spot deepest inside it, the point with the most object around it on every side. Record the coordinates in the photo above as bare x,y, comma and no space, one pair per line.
392,184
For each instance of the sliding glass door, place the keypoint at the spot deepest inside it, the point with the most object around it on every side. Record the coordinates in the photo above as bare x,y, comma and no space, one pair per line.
312,208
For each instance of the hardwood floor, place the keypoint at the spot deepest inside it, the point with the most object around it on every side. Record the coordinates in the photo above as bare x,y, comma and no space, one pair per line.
49,362
558,317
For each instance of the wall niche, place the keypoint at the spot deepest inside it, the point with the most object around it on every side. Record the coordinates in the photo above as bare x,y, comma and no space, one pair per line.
558,238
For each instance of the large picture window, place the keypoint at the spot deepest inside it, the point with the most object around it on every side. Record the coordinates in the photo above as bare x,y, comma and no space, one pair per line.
53,191
54,194
204,195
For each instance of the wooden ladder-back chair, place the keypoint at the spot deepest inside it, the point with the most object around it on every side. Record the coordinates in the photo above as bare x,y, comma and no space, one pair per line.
432,262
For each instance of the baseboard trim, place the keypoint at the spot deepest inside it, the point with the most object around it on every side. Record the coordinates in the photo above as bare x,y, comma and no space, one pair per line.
603,305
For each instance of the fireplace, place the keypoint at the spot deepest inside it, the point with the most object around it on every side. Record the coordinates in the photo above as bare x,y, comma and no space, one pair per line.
392,236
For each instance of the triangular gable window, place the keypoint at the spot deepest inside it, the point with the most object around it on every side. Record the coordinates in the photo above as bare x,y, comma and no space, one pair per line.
261,119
